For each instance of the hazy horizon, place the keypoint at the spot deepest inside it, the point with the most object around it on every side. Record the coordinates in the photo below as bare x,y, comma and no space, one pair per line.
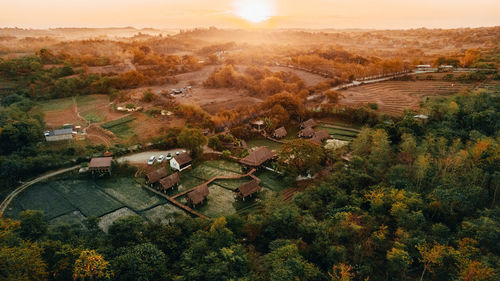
315,14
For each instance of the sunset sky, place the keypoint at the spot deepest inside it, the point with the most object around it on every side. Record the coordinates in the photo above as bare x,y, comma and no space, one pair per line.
382,14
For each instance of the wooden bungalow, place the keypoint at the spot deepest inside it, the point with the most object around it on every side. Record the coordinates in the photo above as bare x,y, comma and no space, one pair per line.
169,182
306,133
257,125
100,165
249,188
154,177
320,136
258,157
181,162
279,133
198,195
309,123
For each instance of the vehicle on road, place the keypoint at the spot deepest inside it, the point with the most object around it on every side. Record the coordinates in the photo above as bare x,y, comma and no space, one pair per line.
151,160
177,153
169,156
161,158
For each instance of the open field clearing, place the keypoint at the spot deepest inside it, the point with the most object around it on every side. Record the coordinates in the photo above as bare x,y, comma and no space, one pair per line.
394,97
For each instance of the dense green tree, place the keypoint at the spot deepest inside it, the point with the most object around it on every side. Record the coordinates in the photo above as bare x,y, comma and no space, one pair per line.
33,224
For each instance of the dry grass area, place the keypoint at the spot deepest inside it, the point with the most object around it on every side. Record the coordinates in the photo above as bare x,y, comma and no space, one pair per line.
394,97
310,79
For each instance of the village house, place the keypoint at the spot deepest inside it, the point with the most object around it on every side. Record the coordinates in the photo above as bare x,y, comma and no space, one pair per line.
280,133
100,165
320,136
181,162
169,182
306,133
154,177
59,135
258,157
198,195
309,123
248,189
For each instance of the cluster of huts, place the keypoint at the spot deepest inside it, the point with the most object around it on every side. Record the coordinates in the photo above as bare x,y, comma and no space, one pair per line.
307,131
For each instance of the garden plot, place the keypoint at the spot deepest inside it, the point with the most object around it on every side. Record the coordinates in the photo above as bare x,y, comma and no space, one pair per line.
43,197
225,165
264,142
74,217
232,184
207,172
270,180
130,193
107,220
164,213
340,133
87,197
220,202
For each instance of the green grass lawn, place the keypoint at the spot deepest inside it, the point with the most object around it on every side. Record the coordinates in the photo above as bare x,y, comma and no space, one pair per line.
56,104
232,184
122,131
225,165
163,213
206,172
74,217
130,193
264,142
87,197
270,180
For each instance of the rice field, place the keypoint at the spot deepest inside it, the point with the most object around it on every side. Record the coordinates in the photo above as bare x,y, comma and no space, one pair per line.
339,132
70,201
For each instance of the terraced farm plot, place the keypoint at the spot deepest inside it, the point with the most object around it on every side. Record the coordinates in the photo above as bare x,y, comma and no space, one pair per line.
340,133
161,213
130,193
87,197
43,197
121,127
394,97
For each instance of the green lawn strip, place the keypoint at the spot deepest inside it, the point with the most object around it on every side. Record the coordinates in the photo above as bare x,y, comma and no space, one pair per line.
122,130
224,165
220,202
119,121
232,184
56,104
264,142
93,116
43,197
73,217
342,138
340,126
87,197
270,180
130,193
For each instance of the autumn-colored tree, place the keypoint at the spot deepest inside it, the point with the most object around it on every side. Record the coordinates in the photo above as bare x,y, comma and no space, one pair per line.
193,140
299,157
470,57
341,272
91,266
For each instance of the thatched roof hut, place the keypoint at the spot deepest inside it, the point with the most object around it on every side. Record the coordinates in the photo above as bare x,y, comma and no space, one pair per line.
306,133
169,182
280,133
198,195
249,188
258,157
155,176
309,123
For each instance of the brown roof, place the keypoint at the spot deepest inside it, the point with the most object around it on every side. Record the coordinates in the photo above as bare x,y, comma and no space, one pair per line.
155,176
322,135
258,157
249,188
168,182
197,196
100,162
280,133
183,158
309,123
307,132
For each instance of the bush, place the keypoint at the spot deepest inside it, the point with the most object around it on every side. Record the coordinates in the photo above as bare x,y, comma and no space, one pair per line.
373,106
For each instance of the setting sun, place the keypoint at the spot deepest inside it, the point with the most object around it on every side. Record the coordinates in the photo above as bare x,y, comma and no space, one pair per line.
254,11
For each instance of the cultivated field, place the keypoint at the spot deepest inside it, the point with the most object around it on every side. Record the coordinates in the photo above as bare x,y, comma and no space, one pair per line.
394,97
72,200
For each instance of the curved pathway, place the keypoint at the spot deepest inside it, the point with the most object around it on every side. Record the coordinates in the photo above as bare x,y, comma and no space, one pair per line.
18,190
